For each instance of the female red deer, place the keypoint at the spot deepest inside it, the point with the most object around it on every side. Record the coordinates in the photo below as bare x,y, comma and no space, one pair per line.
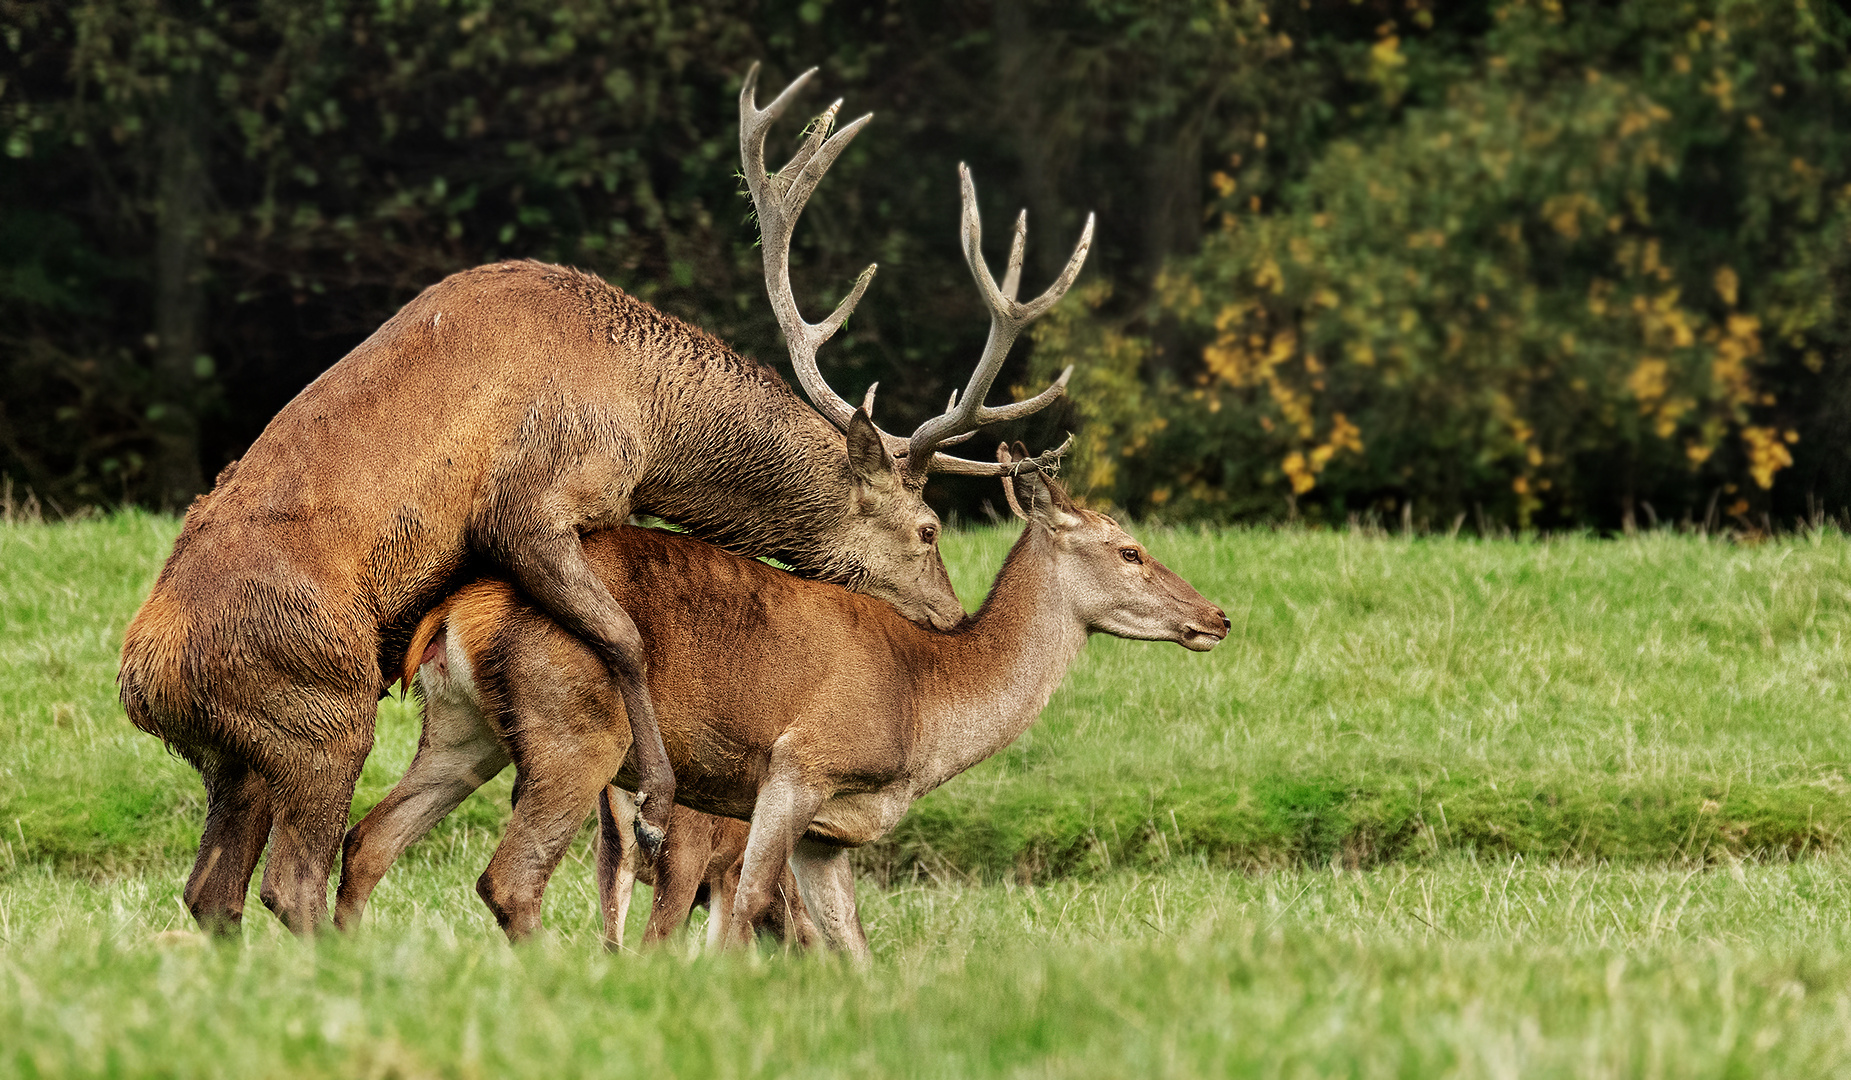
489,424
818,714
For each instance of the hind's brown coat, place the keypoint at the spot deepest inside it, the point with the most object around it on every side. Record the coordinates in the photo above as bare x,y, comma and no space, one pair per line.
497,416
818,714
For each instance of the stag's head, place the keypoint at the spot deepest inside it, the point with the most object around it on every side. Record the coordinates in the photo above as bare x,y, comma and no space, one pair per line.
889,540
1115,585
886,545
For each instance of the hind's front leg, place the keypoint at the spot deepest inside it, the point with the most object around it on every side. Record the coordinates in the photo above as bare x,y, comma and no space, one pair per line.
785,807
827,881
616,861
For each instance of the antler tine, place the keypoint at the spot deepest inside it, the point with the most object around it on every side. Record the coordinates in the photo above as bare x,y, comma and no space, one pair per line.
778,206
1046,461
967,413
1012,278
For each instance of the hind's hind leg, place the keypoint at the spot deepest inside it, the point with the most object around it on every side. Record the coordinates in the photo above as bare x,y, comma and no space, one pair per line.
564,767
237,821
457,753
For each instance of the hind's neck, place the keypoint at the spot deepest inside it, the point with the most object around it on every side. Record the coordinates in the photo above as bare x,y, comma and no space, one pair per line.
989,680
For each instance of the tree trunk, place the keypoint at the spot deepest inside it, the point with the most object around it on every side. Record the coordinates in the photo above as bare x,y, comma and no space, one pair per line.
1173,212
180,295
1037,131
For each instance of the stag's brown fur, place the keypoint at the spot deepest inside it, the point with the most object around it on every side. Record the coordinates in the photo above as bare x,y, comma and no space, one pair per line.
816,713
489,423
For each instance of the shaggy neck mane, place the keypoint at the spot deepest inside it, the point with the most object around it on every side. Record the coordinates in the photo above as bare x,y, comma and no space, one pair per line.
741,461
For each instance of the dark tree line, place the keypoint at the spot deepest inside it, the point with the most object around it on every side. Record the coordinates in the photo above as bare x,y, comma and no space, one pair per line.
204,203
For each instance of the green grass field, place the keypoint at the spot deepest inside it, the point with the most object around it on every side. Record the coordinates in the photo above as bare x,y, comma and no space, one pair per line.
1566,807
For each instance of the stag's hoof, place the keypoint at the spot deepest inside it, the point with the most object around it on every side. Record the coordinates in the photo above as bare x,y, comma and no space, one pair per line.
650,838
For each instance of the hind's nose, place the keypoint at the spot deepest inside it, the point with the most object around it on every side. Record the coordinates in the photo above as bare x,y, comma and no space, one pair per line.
1226,623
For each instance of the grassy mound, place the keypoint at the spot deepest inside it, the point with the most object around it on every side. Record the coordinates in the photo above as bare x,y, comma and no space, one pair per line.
1380,699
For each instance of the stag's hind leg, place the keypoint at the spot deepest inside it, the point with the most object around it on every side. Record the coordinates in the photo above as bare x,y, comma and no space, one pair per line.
237,823
311,789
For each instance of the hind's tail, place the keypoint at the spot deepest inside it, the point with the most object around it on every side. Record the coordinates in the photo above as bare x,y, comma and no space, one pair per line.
426,642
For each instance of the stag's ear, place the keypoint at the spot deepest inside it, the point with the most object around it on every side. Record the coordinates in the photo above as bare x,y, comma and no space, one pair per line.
868,459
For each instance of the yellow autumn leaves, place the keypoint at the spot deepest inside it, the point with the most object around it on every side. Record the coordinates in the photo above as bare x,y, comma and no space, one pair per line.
1302,469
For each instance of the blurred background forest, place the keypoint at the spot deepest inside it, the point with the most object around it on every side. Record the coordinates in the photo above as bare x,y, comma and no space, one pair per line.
1511,263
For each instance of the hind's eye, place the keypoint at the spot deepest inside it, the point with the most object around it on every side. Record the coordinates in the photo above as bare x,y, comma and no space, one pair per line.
928,533
1130,555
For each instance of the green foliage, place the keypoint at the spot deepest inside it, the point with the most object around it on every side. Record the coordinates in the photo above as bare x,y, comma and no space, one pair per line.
1591,265
358,151
1533,264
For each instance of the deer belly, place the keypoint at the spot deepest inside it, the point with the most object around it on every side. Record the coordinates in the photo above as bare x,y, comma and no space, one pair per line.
860,818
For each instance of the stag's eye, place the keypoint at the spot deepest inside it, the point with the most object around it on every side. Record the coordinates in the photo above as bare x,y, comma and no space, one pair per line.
1130,555
927,534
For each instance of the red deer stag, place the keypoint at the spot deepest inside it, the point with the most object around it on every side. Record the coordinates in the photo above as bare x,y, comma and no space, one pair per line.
500,415
817,714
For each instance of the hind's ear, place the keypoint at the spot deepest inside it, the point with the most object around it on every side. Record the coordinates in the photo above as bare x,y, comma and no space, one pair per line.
868,459
1004,457
1037,488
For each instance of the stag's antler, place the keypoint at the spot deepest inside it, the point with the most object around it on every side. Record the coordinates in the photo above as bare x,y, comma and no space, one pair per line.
779,199
962,417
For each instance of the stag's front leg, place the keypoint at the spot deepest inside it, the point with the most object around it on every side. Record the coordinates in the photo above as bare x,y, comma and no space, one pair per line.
783,812
550,565
827,882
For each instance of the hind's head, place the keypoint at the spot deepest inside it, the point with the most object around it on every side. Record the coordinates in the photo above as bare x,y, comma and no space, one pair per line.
1113,582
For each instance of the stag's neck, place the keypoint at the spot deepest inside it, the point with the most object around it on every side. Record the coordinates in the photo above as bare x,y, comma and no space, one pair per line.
742,462
986,683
